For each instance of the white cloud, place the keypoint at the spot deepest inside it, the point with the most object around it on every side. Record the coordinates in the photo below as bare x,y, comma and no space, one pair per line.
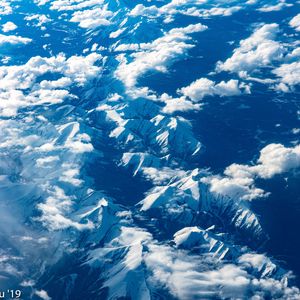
185,276
71,176
9,26
276,159
55,209
289,76
42,295
61,5
199,89
62,82
156,55
45,162
90,14
182,104
185,7
20,89
173,7
92,18
117,33
203,87
295,22
214,11
13,40
41,2
239,180
190,277
39,19
259,50
5,8
276,7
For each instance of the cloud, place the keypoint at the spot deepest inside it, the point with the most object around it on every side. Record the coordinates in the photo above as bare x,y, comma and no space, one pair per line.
199,89
276,159
191,277
239,180
92,18
53,156
89,14
61,5
39,20
140,259
276,7
5,8
289,76
295,22
20,88
156,55
185,7
13,40
203,87
41,2
181,104
42,295
9,26
62,82
257,51
55,210
71,176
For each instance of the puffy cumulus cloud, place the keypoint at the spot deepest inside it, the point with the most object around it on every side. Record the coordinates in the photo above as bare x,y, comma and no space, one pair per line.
192,277
239,180
89,14
181,104
276,7
57,205
173,7
5,7
190,96
20,86
81,69
62,82
199,89
9,26
71,176
295,22
42,294
92,18
214,11
276,159
156,55
202,87
289,75
235,187
186,7
259,50
162,175
61,5
38,20
13,40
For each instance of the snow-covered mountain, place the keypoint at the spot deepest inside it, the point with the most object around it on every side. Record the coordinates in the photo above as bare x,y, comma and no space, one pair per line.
107,187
